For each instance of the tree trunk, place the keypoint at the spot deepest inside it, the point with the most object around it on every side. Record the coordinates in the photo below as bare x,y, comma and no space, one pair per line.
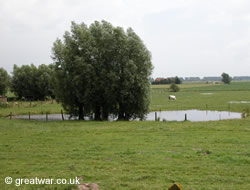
121,115
105,113
80,113
97,113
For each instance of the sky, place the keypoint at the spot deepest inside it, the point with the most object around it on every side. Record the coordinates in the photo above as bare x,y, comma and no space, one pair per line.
186,38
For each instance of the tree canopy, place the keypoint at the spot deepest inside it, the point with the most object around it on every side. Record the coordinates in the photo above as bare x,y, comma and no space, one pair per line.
4,81
32,82
226,78
102,70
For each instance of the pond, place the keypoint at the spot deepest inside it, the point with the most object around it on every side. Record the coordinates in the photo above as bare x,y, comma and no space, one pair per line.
239,102
192,115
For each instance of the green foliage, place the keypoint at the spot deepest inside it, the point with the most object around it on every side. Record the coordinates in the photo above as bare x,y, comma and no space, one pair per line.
177,80
174,88
104,70
32,82
4,81
226,78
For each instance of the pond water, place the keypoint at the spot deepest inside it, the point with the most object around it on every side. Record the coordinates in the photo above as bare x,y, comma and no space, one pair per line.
192,115
239,102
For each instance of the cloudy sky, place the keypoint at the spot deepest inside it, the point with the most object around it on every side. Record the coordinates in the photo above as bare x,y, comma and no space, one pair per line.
185,37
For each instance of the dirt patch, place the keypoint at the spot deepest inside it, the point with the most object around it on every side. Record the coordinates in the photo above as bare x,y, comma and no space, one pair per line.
88,186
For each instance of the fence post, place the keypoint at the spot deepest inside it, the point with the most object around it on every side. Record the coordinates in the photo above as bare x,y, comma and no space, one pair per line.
155,116
62,115
185,117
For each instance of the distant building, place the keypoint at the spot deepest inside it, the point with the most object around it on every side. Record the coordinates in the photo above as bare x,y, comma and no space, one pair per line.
212,78
159,79
192,79
241,78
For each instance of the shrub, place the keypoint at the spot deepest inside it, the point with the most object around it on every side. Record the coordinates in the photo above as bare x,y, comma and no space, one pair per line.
174,88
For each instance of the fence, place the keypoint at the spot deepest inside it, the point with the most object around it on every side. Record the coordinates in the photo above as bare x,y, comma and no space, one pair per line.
47,116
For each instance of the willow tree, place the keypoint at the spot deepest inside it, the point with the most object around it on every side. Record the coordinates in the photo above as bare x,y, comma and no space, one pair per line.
102,70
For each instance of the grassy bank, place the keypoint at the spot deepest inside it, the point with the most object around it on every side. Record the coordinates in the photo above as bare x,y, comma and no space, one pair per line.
34,107
128,155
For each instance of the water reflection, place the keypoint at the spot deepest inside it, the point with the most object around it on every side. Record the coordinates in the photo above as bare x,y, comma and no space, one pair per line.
194,115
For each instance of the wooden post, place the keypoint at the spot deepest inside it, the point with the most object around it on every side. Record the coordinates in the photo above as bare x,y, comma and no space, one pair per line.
46,116
29,115
155,116
185,117
62,115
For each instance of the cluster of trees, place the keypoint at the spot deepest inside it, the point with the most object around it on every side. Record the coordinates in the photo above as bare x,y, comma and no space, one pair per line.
98,71
172,80
31,82
102,70
28,82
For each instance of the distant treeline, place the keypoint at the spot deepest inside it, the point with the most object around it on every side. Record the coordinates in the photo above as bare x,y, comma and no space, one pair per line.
179,80
175,80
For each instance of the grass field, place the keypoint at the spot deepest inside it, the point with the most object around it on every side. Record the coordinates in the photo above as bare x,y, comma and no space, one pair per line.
202,96
133,155
128,155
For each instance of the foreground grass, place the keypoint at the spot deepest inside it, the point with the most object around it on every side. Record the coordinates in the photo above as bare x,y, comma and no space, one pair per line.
128,155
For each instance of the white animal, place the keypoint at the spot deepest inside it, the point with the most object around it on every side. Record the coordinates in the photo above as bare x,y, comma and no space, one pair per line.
171,97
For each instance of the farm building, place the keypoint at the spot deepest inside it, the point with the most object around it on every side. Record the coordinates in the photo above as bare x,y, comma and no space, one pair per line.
3,99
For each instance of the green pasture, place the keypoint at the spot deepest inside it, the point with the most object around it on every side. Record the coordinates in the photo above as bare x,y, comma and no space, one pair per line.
202,96
128,155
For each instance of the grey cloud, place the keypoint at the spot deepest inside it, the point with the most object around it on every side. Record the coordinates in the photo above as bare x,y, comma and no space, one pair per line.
183,35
